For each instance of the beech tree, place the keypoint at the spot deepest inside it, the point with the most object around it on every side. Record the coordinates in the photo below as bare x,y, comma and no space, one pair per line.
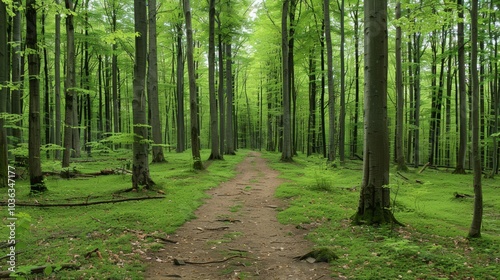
4,62
374,202
214,124
475,228
140,164
286,154
193,100
34,140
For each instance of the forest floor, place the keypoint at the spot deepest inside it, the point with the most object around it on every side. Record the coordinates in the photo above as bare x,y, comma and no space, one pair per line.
236,234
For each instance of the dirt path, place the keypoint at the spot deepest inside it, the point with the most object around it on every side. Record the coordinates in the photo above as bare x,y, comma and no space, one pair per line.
238,227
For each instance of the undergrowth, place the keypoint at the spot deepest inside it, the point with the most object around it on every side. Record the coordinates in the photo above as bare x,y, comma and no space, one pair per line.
117,231
432,245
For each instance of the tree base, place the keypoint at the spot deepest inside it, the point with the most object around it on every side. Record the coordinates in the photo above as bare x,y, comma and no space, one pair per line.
218,157
198,165
459,170
373,218
286,159
159,158
38,188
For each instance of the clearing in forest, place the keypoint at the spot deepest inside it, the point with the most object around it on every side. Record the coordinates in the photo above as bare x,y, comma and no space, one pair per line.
236,235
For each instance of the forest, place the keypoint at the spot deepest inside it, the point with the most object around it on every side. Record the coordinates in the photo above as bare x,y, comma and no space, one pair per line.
118,119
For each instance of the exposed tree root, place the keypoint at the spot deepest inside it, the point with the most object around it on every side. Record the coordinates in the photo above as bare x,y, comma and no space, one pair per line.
3,203
41,269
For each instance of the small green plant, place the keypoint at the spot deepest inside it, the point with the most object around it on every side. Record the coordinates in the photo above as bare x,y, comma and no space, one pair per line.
235,208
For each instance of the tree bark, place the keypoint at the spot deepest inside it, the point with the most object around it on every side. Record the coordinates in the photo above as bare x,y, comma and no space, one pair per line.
229,100
4,70
193,98
400,158
69,86
331,93
374,202
57,83
460,165
35,168
181,130
214,124
140,163
475,228
153,102
286,154
342,85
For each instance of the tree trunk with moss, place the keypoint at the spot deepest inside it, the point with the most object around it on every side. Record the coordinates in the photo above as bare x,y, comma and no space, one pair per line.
193,99
35,167
374,202
140,163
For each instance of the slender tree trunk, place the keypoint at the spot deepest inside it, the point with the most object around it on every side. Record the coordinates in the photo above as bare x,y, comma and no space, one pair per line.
35,167
114,73
331,94
153,102
4,77
475,229
460,167
46,99
374,202
214,124
230,147
323,86
222,110
342,85
181,131
311,129
140,163
416,110
57,83
354,144
69,85
193,98
287,133
400,97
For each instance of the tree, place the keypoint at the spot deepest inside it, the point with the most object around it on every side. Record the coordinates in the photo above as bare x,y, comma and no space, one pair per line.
374,201
140,164
331,94
475,228
16,107
70,121
214,125
35,169
286,154
400,158
154,106
57,82
181,142
193,99
4,62
460,168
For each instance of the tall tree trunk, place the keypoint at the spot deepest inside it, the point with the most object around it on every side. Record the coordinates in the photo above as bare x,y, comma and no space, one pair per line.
323,86
475,228
460,167
69,86
114,73
331,94
374,202
214,124
46,100
230,147
4,77
57,83
342,85
416,101
35,167
400,97
222,110
140,163
153,103
287,133
193,98
311,128
181,131
354,145
86,85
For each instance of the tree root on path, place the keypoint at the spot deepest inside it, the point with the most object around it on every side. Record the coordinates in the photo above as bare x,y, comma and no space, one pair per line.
182,262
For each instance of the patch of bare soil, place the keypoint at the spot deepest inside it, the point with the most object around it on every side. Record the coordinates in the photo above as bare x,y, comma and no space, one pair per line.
236,235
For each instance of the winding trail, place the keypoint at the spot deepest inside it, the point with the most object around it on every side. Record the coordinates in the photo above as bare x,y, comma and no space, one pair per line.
236,235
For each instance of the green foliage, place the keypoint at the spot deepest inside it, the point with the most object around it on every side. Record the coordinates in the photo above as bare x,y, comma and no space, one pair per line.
66,235
432,245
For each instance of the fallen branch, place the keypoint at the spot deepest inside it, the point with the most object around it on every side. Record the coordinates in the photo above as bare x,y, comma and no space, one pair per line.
96,251
41,269
182,262
162,239
462,195
3,203
402,176
424,167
